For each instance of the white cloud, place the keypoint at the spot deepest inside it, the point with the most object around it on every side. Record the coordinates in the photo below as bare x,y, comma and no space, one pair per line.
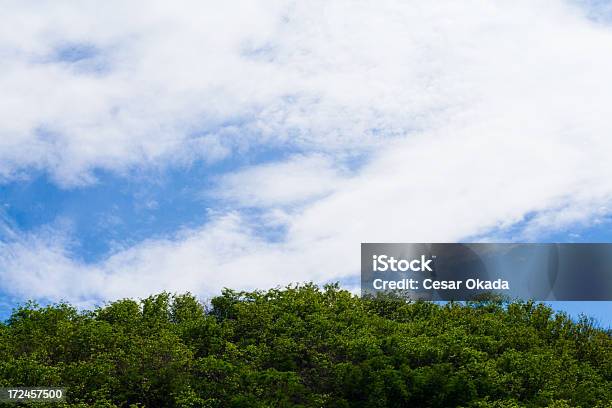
39,265
473,115
293,181
197,80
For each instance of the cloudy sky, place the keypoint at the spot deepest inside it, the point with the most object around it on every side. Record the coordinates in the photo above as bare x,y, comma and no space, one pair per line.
149,146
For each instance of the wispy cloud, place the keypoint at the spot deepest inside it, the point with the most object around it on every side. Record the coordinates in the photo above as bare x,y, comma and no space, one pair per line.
295,181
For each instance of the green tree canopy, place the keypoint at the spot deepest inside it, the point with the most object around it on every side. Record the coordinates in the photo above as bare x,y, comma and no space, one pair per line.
304,346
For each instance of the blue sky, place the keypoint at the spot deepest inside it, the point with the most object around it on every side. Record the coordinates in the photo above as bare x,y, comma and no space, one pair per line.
173,150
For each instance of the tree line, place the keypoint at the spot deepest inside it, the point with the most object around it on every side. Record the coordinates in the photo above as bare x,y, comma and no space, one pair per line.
306,346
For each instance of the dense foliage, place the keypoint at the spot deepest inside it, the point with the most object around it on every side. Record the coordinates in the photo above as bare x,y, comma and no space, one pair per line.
307,347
